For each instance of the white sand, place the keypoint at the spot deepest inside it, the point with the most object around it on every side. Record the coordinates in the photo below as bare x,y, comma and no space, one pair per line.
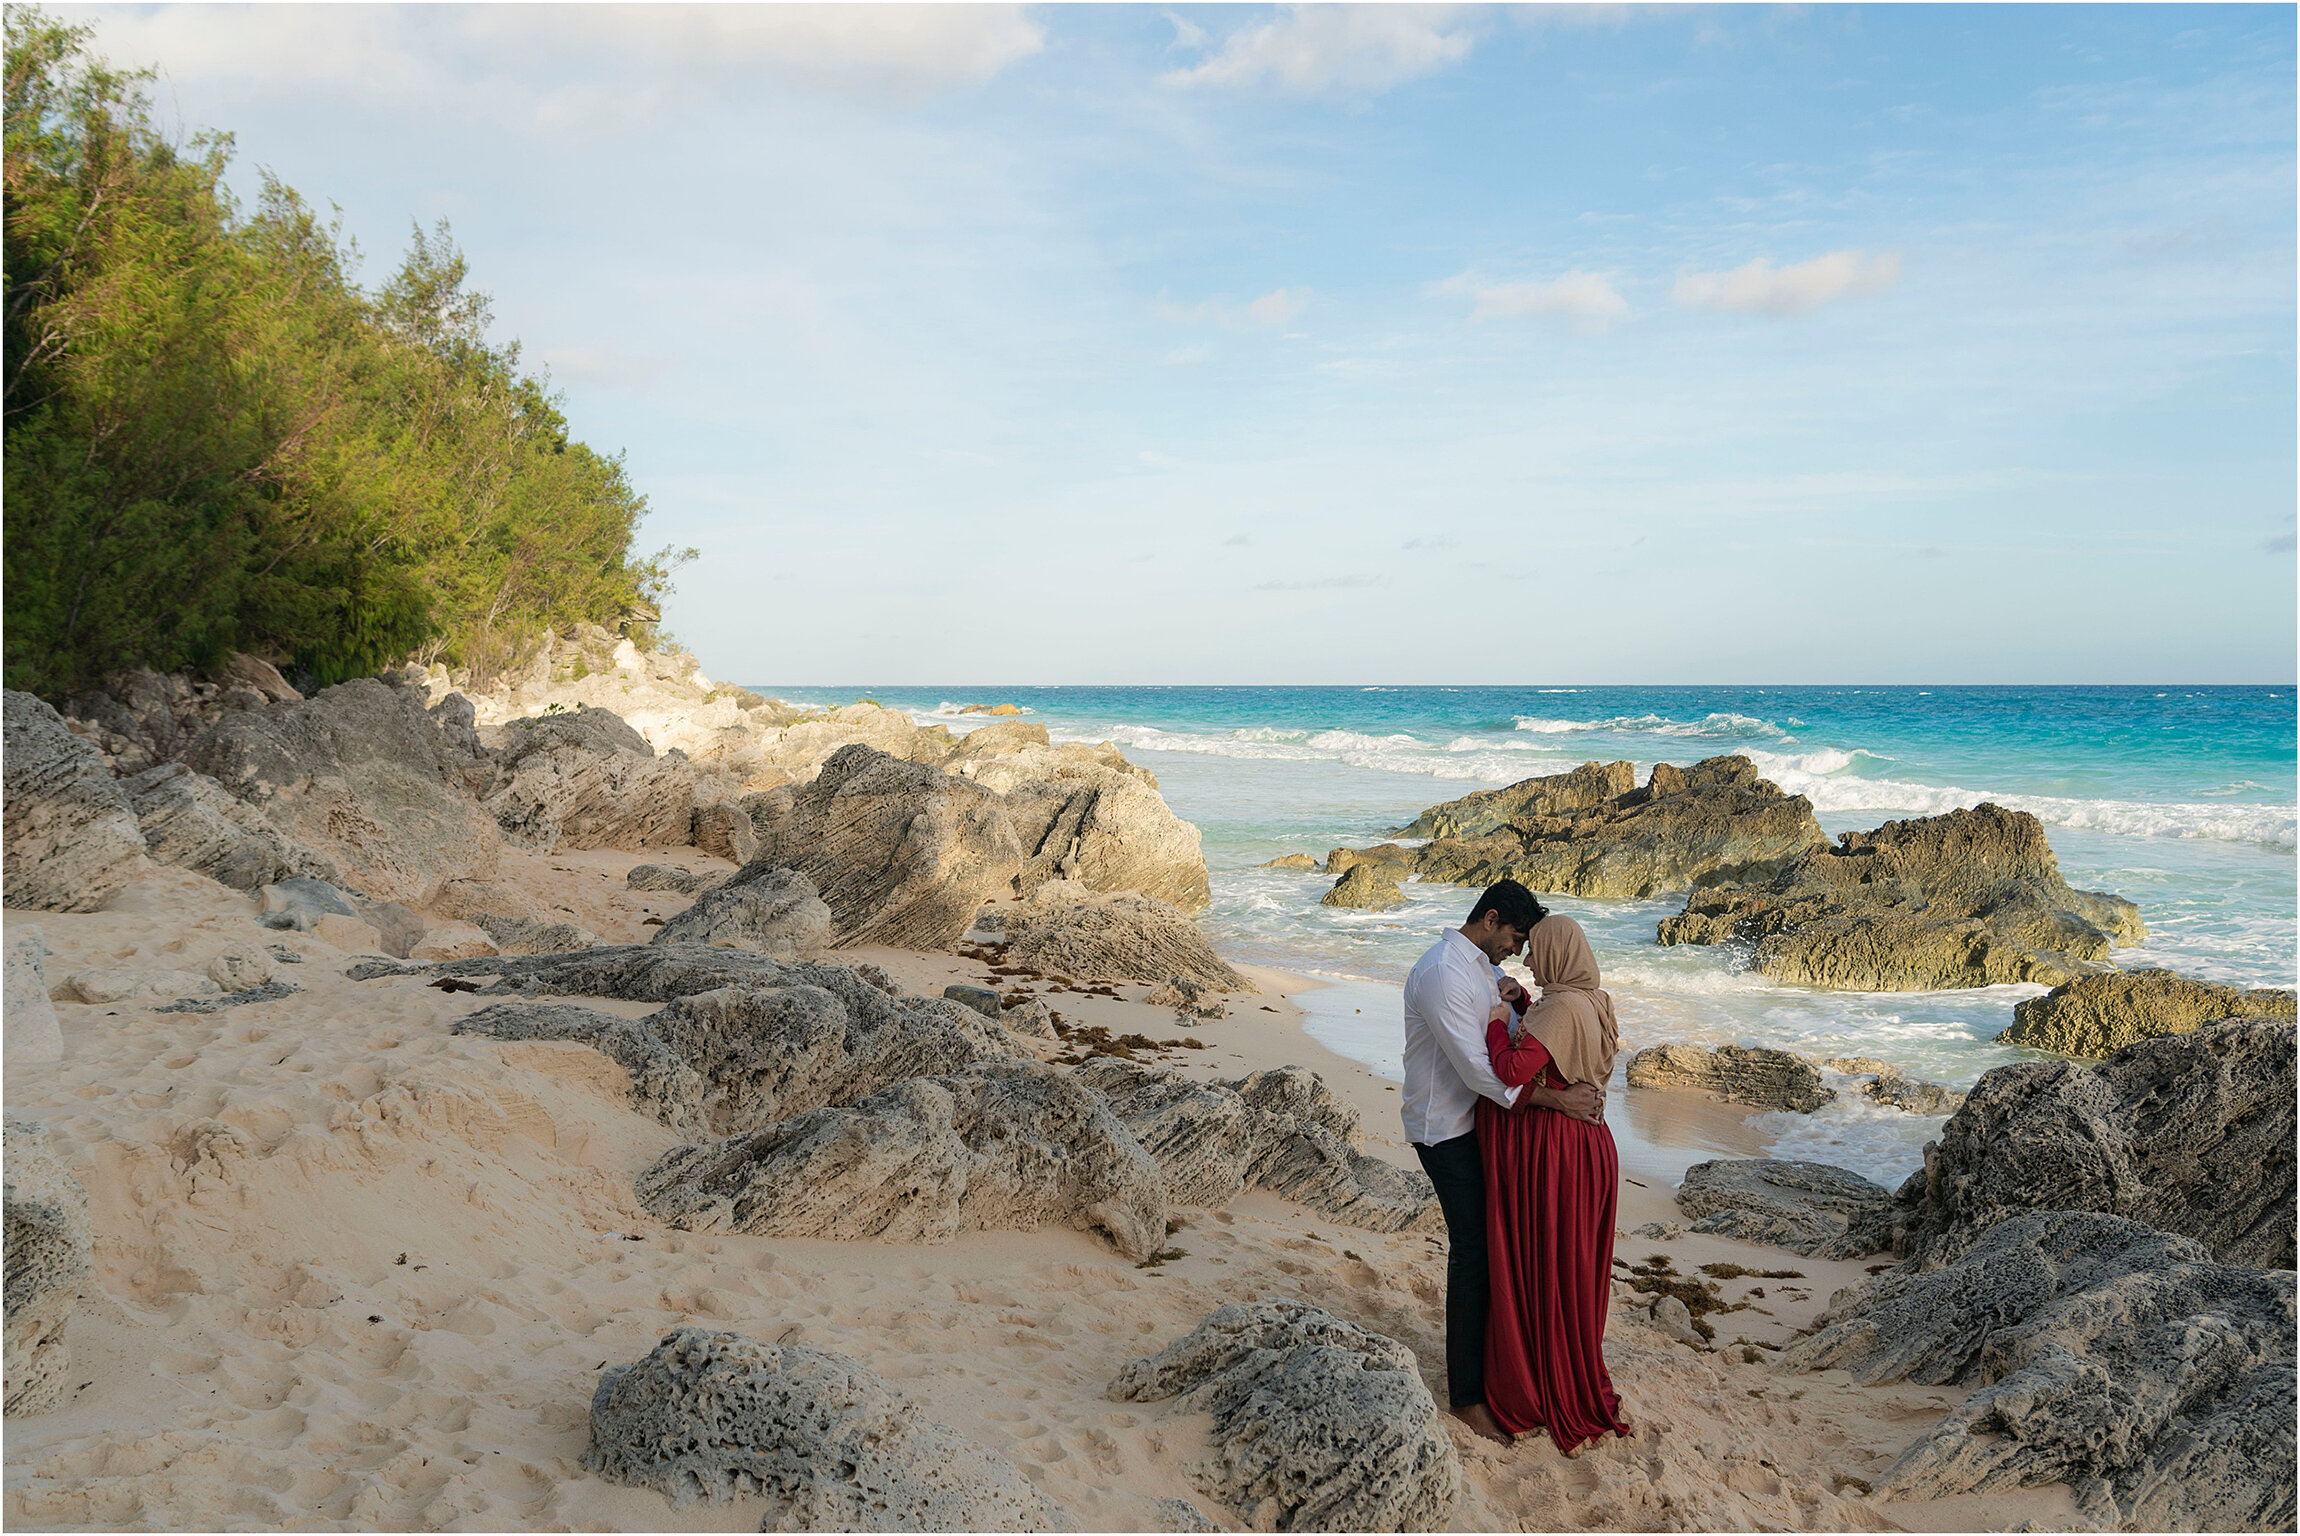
354,1271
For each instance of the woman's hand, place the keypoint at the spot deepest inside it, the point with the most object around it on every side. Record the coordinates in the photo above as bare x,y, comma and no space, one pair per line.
1582,1101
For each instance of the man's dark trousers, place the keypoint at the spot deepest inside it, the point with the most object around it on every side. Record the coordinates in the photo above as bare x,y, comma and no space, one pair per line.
1458,1171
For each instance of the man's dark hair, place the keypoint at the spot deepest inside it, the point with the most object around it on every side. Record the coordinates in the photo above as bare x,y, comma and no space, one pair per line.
1512,903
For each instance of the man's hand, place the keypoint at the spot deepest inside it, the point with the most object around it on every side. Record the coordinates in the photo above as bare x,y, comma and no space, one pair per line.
1513,994
1583,1101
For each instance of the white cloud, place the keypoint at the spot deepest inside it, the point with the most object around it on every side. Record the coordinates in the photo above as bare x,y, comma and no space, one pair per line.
1760,288
1271,310
1588,300
1316,50
630,57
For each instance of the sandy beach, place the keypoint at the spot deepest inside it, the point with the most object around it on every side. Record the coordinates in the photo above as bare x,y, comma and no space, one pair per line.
353,1270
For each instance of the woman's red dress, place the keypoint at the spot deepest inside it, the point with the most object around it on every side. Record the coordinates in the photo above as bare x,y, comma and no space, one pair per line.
1550,1189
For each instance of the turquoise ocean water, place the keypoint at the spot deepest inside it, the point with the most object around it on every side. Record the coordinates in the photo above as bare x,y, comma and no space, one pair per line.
2181,799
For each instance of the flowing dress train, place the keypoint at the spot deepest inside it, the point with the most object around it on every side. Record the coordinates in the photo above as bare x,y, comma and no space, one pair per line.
1551,1186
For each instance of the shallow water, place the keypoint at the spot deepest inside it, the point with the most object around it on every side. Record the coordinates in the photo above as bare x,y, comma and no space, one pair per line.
2182,800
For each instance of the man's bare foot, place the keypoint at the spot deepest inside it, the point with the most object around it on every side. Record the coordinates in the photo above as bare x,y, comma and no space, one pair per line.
1480,1418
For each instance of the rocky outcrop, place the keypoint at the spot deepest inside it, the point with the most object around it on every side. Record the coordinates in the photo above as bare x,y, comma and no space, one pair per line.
1280,1130
736,1058
2191,1133
902,854
33,1034
1085,813
1767,1079
1319,1425
188,820
668,877
361,776
717,1416
532,935
1808,1208
774,911
1897,1090
1364,886
1290,861
2107,1355
640,973
2096,1016
587,780
724,831
1009,1145
1967,899
1068,930
148,718
1597,832
48,1257
72,839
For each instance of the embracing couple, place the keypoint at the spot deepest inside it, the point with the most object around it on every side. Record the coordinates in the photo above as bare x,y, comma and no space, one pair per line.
1505,1105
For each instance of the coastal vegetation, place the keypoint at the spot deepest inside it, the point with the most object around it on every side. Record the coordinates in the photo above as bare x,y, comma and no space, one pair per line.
218,440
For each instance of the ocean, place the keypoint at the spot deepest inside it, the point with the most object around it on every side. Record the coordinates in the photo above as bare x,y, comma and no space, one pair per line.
2180,799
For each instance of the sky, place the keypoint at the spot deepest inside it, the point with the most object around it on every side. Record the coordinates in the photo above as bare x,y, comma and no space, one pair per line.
1364,344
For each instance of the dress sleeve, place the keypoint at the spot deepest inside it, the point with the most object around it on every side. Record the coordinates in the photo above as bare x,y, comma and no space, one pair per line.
1517,1064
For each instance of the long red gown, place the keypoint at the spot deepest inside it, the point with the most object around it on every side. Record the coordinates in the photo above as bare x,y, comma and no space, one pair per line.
1550,1189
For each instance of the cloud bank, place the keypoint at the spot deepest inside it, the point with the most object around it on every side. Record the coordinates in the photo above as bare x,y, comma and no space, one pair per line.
1586,300
1321,50
1760,288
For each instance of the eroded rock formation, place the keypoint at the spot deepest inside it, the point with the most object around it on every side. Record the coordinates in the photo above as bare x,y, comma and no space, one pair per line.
1320,1425
1966,899
774,911
1597,832
716,1416
2191,1133
48,1257
587,780
72,837
2110,1356
1809,1208
188,820
1364,886
2096,1016
1067,930
1755,1075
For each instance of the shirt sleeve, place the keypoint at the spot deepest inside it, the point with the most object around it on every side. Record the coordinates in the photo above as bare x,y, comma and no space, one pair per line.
1457,1019
1514,1064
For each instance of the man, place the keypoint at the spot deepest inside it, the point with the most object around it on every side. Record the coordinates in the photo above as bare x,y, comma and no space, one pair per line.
1450,994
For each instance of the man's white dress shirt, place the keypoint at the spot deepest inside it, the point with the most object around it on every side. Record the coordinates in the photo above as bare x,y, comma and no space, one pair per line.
1449,996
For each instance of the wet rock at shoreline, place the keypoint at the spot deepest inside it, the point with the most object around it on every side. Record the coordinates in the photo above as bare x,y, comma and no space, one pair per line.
1280,1130
715,1416
72,838
1290,861
2191,1133
1597,832
1967,899
1393,861
774,911
1364,886
1068,930
2118,1359
49,1256
1003,1145
361,776
1763,1078
1911,1095
1320,1425
1808,1208
2097,1016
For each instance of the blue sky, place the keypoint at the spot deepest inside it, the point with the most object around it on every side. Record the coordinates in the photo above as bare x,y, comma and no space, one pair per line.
1366,344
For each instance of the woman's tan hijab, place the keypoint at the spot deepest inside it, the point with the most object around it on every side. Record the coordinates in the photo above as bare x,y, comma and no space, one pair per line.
1572,1019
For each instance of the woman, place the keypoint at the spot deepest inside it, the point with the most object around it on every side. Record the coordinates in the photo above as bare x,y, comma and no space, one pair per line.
1550,1190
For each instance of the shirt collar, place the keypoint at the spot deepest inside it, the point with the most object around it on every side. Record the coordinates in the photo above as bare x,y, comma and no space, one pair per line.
1461,942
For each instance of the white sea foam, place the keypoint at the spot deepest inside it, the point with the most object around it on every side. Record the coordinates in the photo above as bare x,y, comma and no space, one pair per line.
1717,724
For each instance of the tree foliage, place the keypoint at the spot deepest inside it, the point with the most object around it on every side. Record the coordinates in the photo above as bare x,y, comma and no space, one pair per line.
216,440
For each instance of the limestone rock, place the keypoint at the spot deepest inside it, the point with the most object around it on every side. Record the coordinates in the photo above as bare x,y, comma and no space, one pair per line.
34,1035
48,1258
241,968
1393,861
981,999
1033,1018
1282,1130
669,877
453,941
361,776
100,984
188,820
717,1416
1067,930
2115,1358
724,831
300,902
1190,1000
901,853
397,929
1364,886
2192,1133
636,972
587,780
2099,1015
1083,812
1290,861
1901,1092
774,911
533,936
1967,899
1004,1145
1330,1421
1675,1319
1768,1079
1808,1208
72,839
737,1058
1596,832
